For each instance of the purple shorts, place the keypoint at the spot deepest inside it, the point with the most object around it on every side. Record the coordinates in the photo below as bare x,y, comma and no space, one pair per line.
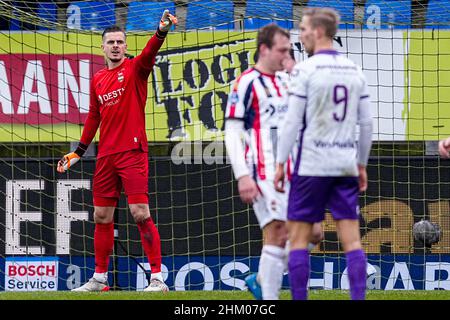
310,196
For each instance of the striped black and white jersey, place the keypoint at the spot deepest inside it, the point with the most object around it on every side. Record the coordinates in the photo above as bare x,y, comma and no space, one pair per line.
260,101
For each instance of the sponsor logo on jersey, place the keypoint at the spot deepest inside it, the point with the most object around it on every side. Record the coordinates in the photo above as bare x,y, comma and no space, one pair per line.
268,94
282,108
103,98
270,109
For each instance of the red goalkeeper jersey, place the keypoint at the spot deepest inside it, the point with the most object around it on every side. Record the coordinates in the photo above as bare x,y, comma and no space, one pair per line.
117,103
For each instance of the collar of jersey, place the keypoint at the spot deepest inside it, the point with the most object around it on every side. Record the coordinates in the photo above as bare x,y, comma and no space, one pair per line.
330,51
115,68
265,74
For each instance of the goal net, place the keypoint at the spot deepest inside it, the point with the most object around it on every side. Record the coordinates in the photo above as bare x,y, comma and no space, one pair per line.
49,52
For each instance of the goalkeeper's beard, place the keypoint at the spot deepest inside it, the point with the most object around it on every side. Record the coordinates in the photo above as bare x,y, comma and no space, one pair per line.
115,60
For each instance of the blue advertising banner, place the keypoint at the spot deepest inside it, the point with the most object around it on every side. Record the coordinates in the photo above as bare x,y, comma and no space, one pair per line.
385,272
210,240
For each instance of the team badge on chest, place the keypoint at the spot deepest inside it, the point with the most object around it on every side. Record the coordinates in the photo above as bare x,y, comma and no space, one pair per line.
120,76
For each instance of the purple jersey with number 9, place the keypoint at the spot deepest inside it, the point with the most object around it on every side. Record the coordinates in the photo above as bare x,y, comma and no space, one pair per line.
333,87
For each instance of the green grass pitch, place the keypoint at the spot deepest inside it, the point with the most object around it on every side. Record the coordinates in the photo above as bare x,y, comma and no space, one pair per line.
220,295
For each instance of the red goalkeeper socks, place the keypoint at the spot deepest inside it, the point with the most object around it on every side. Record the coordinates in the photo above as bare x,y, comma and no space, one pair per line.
151,243
103,245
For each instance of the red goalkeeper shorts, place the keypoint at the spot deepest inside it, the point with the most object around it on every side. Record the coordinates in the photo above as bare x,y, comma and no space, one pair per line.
127,170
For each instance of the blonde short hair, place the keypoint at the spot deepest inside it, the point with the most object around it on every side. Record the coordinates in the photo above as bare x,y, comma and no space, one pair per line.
324,17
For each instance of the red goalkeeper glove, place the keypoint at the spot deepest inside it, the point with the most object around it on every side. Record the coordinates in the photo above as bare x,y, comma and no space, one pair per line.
70,159
167,20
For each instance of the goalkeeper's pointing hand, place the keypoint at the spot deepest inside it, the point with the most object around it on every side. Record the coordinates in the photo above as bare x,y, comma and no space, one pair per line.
167,20
70,159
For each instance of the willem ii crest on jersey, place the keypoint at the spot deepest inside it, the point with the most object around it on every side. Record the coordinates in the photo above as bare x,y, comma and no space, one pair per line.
120,76
234,98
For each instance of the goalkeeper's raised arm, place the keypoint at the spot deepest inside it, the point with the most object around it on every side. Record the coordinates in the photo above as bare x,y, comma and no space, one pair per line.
122,127
117,100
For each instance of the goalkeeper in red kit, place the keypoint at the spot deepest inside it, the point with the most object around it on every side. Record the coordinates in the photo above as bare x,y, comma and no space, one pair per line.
118,94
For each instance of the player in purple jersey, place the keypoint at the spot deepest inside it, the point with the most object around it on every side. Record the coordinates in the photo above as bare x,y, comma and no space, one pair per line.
256,105
327,100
